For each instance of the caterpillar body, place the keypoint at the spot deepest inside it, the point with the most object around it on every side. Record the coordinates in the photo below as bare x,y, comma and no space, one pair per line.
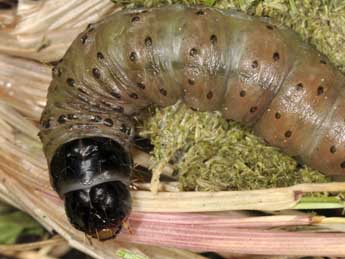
248,68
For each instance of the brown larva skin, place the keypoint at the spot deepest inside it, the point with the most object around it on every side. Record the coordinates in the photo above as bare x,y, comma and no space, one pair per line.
251,70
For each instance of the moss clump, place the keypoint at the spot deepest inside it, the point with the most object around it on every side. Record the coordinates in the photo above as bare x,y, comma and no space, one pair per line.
212,154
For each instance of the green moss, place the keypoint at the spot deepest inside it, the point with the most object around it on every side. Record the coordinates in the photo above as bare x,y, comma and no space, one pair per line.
211,154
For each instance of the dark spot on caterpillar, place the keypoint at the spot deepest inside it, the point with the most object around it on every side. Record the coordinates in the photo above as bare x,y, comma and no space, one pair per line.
116,95
135,19
97,105
155,71
253,109
108,122
194,109
191,81
133,56
323,62
106,104
288,134
193,52
342,165
148,41
333,149
277,115
213,39
46,124
124,129
83,39
209,95
255,64
200,12
133,95
70,82
276,56
270,27
163,91
72,116
90,27
242,93
320,90
118,109
56,71
96,73
100,56
95,118
82,90
61,119
141,85
299,86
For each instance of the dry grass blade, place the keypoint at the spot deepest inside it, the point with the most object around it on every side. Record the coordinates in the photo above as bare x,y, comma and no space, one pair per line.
43,30
268,199
23,85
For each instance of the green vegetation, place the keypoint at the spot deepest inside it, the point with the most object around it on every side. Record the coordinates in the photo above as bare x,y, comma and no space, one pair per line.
15,224
211,154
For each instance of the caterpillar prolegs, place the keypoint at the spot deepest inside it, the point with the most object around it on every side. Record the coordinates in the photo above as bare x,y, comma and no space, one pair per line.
249,69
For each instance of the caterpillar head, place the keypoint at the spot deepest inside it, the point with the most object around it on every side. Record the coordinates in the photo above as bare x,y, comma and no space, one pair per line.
92,175
99,211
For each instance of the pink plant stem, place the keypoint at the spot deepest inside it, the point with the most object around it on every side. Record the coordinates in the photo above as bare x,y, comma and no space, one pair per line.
219,220
237,240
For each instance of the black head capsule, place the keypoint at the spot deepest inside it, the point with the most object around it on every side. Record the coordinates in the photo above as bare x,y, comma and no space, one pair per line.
92,175
99,211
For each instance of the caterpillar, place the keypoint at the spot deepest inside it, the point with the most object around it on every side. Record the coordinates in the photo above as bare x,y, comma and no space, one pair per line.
248,68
